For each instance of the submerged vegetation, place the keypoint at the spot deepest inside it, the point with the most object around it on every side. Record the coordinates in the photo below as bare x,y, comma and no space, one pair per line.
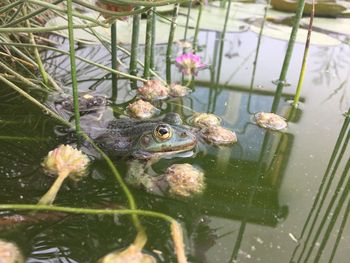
138,36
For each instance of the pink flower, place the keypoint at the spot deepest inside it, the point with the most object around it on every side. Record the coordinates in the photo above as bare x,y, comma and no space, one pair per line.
189,63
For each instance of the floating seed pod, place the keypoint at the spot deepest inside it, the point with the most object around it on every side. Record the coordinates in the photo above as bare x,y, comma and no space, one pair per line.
202,120
132,254
142,109
270,121
9,253
153,90
218,135
176,90
184,180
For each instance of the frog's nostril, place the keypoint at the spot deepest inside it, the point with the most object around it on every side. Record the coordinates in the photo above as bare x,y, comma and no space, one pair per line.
145,140
183,134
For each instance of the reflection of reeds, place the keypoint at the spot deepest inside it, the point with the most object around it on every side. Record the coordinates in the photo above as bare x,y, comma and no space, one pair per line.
222,41
265,168
256,57
320,201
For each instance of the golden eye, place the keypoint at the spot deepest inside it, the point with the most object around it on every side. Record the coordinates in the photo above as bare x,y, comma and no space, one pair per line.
162,132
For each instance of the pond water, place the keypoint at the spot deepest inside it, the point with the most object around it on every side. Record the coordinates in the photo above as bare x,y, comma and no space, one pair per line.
259,192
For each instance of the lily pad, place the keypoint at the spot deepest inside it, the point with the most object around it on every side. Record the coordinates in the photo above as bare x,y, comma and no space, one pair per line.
124,29
165,8
334,25
282,32
322,8
213,18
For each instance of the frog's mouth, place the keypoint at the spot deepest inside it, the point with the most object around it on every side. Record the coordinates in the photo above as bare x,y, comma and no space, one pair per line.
165,151
177,149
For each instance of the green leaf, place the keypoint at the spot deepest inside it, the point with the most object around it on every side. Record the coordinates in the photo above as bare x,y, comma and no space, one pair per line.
282,32
334,25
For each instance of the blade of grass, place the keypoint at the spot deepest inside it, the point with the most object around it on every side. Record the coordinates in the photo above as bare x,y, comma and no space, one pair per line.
306,51
289,52
73,66
170,43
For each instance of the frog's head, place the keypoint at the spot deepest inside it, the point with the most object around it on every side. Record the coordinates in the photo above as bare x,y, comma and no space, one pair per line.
165,139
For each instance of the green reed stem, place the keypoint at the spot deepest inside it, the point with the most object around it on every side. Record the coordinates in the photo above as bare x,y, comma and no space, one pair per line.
19,9
134,46
32,14
77,210
34,101
147,2
19,76
306,51
196,31
142,65
61,10
148,46
153,42
111,13
332,166
289,52
169,49
36,52
334,217
222,42
114,60
120,180
109,162
28,59
10,6
124,50
39,61
340,232
187,22
43,29
77,57
73,66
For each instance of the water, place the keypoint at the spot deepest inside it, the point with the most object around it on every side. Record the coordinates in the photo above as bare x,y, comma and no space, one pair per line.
259,192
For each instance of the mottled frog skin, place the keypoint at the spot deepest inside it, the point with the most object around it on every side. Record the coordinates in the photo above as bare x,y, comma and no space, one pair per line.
144,139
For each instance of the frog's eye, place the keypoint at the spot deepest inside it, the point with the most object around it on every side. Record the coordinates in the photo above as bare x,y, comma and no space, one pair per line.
163,132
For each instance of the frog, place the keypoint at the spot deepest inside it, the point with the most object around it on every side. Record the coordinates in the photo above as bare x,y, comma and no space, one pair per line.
146,139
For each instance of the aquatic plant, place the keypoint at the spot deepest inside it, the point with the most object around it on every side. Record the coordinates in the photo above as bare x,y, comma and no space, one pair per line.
63,161
21,45
142,109
132,254
306,51
184,180
9,253
189,64
282,78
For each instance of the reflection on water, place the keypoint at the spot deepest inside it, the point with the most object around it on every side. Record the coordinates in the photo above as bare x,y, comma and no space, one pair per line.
270,198
313,245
